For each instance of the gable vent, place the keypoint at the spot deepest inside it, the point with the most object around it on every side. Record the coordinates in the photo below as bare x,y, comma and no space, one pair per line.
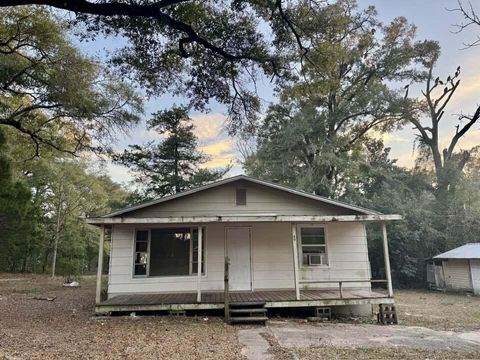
241,197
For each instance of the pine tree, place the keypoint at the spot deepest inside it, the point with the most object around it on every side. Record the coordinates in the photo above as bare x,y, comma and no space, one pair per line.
173,164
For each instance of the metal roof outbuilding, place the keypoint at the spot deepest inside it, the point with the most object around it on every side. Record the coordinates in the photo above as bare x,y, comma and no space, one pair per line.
467,251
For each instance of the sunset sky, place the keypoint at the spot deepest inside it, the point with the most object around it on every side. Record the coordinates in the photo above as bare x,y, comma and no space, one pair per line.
433,21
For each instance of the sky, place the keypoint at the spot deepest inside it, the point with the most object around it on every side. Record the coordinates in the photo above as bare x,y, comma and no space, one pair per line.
433,22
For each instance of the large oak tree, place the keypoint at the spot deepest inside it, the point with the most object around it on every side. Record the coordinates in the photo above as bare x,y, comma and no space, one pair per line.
50,92
203,50
344,90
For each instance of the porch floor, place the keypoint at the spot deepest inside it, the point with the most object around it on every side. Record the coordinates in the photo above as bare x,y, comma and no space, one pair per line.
215,300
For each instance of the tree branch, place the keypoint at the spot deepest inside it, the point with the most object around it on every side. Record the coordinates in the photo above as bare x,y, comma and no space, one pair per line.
37,139
153,11
471,18
458,134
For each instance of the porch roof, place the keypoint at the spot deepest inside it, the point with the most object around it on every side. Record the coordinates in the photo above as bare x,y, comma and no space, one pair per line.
242,218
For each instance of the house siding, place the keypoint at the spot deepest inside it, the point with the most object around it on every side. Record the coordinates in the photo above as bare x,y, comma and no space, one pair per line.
272,259
221,200
347,253
457,274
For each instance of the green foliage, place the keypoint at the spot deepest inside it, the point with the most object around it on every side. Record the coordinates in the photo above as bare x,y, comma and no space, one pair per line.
200,50
51,189
343,92
173,164
425,231
318,137
50,92
17,216
54,102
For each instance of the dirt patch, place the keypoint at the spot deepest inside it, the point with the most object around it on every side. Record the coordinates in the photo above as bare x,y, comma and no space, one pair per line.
438,310
64,328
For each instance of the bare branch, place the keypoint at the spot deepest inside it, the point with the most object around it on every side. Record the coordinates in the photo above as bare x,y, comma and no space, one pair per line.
459,133
471,18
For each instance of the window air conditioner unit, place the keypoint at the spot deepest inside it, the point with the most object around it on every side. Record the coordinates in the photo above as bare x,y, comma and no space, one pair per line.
316,259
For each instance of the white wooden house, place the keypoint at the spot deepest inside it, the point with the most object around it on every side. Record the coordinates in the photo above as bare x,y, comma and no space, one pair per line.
286,248
457,269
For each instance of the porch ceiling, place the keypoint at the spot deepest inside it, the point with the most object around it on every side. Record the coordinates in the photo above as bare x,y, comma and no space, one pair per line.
243,218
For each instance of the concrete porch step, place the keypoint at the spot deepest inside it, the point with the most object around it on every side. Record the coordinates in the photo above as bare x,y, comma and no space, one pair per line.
258,304
249,319
248,311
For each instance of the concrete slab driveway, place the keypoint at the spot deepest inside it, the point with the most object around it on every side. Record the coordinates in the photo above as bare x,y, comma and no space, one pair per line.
257,342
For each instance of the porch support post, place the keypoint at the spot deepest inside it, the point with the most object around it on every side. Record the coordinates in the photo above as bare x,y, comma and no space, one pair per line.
295,260
387,259
100,266
199,264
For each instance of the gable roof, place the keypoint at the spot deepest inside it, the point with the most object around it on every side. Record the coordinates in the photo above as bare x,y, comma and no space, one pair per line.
249,179
467,251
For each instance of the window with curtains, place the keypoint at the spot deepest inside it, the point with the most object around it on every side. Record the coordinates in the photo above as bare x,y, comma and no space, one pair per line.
168,252
313,245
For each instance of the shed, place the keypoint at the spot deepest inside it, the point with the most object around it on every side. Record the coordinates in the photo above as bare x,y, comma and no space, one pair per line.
457,269
240,240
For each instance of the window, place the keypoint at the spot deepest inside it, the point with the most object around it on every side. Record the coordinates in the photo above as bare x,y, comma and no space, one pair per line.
241,197
168,252
314,247
141,252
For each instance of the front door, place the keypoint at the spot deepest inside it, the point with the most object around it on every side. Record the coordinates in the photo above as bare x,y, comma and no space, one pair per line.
238,252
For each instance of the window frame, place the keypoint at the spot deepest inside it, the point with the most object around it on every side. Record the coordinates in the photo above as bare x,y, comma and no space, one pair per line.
301,245
204,253
147,270
190,274
244,189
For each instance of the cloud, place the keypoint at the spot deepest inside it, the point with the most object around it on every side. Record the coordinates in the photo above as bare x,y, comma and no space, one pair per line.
468,141
467,95
119,174
471,139
217,148
213,140
388,138
208,127
406,159
222,153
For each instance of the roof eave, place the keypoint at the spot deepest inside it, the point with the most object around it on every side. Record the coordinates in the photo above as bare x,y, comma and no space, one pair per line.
228,218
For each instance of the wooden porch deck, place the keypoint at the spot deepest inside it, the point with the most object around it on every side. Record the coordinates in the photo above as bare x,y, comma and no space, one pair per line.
215,300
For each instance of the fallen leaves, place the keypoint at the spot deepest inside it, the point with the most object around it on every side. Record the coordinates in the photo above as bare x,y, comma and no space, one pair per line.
65,328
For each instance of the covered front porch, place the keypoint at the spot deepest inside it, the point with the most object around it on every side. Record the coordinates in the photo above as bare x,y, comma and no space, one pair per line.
303,286
216,300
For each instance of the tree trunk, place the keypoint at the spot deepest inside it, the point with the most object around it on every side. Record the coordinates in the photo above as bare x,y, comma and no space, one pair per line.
175,164
47,254
25,257
57,236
